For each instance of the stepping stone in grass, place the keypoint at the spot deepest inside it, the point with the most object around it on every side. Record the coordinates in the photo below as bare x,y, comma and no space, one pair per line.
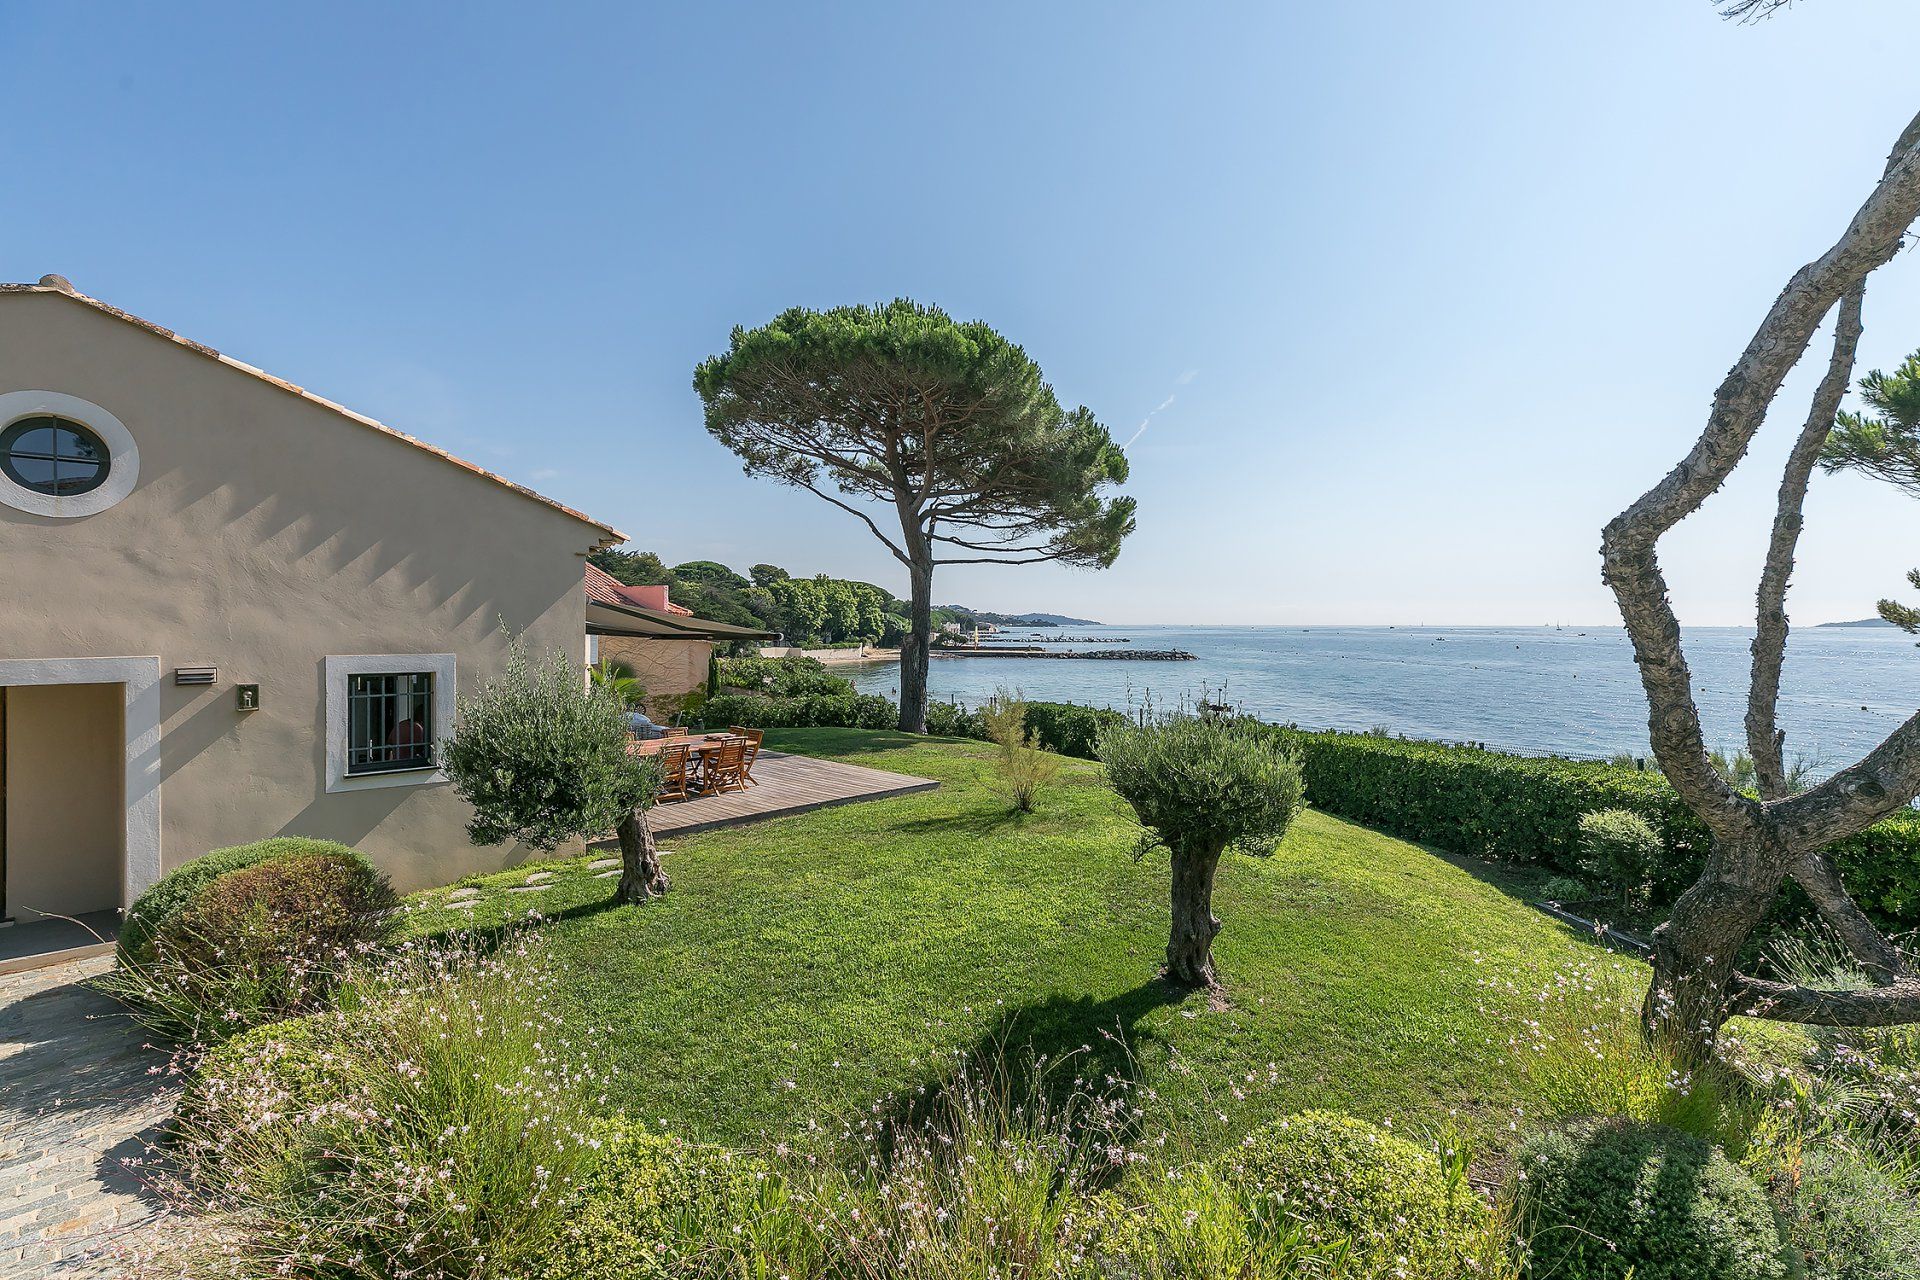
601,864
539,876
463,894
526,888
606,875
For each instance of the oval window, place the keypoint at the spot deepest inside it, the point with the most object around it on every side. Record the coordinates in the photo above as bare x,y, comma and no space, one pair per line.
54,456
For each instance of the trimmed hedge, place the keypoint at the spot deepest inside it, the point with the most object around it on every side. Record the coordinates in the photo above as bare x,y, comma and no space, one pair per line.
1069,729
808,711
1528,809
174,892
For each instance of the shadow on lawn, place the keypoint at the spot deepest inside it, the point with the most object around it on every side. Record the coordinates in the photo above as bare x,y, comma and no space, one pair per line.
1064,1051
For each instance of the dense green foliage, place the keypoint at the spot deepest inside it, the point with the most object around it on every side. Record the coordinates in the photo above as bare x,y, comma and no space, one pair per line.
852,951
542,760
1202,784
782,677
1351,1182
172,892
1617,1199
1620,849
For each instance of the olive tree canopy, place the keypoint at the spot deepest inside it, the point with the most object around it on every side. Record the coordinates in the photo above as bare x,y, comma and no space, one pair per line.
912,421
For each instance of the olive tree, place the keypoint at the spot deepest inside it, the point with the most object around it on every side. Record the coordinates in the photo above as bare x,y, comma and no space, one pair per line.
945,430
1201,785
541,755
1759,841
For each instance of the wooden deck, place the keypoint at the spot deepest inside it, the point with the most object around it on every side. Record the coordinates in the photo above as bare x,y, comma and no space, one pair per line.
786,784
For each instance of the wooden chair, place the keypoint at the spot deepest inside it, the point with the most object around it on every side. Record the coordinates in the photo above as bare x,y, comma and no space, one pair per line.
753,737
726,768
675,780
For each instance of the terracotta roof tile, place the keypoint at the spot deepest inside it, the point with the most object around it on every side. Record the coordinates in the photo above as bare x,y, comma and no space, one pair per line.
613,536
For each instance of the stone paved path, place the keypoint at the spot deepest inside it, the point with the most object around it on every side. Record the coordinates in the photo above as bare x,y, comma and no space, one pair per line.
78,1096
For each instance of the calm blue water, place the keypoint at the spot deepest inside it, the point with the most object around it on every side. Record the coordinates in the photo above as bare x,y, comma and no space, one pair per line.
1538,690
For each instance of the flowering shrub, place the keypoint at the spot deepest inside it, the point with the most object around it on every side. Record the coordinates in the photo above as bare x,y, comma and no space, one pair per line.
250,946
432,1125
1616,1199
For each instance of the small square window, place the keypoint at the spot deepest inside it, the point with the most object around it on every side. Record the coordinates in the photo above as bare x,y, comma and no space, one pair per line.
390,722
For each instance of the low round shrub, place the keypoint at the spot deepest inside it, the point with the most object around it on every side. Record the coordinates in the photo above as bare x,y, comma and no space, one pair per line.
261,943
1620,849
1609,1200
258,1086
172,892
1343,1179
1848,1218
653,1206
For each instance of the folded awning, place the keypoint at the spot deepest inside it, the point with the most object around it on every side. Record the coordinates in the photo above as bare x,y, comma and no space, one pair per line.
631,620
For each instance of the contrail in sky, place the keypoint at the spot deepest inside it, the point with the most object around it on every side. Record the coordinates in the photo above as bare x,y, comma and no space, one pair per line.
1181,381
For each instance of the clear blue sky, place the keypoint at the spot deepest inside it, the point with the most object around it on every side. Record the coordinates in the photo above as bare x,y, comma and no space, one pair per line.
1414,295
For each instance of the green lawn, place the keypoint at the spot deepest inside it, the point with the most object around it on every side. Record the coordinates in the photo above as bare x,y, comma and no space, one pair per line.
804,970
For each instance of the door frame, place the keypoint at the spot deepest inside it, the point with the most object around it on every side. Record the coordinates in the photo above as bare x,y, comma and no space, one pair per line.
140,678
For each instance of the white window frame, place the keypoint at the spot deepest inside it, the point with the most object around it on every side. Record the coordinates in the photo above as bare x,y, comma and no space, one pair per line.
123,456
338,668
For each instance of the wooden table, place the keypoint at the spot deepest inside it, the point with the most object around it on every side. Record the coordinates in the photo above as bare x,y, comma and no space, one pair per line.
698,746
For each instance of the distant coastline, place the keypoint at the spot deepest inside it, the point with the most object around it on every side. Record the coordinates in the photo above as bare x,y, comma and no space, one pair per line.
1863,622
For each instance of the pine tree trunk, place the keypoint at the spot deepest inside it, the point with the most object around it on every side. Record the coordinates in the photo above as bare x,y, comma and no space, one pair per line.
914,652
1190,946
1695,950
641,876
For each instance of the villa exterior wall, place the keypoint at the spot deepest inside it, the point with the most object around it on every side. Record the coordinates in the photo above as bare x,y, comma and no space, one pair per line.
267,533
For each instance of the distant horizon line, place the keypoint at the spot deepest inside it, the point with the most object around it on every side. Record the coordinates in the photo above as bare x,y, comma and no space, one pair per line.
1424,626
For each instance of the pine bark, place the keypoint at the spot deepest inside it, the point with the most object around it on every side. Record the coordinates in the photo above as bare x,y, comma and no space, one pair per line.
915,651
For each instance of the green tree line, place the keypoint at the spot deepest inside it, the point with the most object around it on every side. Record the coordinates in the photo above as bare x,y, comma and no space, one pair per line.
806,610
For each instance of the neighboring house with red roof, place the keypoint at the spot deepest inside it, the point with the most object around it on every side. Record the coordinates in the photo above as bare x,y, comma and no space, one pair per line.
662,644
234,609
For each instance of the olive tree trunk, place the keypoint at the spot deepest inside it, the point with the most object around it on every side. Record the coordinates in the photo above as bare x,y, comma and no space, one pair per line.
641,876
1190,945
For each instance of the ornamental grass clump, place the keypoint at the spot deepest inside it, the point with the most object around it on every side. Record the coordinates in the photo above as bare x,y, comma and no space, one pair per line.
1024,768
432,1125
1201,785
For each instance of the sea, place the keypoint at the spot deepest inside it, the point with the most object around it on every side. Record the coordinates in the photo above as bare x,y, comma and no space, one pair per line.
1548,690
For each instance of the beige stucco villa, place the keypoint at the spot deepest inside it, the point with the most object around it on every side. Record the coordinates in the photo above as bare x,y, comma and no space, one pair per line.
230,609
